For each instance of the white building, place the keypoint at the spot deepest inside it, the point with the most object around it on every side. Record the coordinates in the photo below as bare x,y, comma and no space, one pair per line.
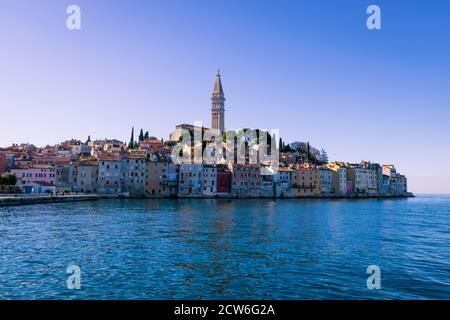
325,181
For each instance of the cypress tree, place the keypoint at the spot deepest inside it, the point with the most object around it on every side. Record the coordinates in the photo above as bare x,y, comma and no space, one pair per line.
131,143
307,152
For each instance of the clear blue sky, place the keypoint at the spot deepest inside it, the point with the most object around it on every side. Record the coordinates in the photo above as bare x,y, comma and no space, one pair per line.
309,68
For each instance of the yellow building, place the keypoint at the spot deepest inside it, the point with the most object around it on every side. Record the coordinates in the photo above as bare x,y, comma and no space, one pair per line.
322,181
339,178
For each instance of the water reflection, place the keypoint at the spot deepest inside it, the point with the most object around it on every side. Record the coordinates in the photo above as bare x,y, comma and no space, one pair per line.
221,248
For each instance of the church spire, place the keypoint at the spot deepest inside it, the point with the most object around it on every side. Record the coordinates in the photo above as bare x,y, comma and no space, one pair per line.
218,90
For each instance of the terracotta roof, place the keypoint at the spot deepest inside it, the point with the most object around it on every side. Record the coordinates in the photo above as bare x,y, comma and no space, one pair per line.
109,158
37,166
91,163
135,156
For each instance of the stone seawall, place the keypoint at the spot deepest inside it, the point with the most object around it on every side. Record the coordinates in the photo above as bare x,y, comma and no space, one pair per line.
334,196
28,200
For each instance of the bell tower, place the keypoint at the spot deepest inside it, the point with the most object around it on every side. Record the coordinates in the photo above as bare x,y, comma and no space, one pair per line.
218,106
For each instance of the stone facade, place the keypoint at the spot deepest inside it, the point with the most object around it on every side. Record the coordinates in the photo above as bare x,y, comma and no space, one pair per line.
162,179
134,174
209,180
87,177
303,182
190,180
282,183
109,175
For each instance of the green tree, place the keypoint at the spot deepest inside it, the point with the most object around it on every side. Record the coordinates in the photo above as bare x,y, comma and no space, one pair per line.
141,135
323,158
146,135
308,152
12,179
131,143
287,148
8,179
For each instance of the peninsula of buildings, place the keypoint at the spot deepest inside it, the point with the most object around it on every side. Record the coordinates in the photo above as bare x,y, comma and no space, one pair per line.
144,168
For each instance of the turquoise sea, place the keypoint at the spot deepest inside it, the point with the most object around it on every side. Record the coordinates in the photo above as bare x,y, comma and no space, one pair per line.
227,249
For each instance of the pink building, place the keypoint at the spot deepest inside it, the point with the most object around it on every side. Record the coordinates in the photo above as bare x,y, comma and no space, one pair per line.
3,164
38,173
349,186
303,182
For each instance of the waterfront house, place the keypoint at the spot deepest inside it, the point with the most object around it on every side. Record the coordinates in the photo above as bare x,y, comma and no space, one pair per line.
26,176
162,179
109,174
339,180
190,180
363,178
398,184
39,187
303,181
134,174
3,164
282,182
385,185
322,181
375,174
87,177
223,180
247,181
66,177
209,180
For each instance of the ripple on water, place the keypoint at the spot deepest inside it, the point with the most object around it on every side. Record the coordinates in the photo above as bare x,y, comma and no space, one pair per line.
227,249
